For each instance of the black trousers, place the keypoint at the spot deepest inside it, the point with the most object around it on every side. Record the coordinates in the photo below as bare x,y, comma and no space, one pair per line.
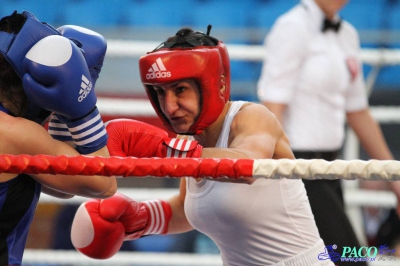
327,205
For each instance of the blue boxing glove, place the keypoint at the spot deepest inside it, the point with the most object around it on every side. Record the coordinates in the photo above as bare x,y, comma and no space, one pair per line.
93,45
58,130
56,77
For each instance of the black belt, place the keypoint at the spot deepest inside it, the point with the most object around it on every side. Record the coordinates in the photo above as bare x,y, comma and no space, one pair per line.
325,155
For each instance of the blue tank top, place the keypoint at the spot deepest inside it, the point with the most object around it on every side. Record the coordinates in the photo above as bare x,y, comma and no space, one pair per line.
2,109
18,201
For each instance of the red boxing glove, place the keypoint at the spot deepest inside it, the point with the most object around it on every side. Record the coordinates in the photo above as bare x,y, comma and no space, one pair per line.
127,137
100,226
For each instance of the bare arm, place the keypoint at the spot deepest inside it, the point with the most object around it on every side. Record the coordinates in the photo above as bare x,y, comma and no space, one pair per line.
255,134
370,134
21,136
55,193
371,138
179,222
277,109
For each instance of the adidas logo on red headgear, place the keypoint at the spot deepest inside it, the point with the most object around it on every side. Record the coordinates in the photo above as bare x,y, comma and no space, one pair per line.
158,70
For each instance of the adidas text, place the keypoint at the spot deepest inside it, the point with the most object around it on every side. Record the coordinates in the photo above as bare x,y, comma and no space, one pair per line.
158,70
159,74
86,87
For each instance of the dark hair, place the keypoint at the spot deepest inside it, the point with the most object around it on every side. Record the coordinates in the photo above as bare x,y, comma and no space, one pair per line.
186,37
12,23
11,89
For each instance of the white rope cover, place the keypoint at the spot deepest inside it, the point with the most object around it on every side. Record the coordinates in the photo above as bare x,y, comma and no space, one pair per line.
130,48
214,168
320,169
142,107
145,259
75,258
352,197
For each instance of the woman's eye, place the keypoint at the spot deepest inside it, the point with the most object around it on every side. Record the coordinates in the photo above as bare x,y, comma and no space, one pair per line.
159,91
181,89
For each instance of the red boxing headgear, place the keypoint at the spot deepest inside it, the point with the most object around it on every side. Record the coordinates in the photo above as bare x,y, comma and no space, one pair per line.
205,64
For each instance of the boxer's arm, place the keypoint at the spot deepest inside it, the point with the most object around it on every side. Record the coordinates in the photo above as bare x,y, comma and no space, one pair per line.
56,193
128,137
100,226
21,136
277,109
255,134
179,222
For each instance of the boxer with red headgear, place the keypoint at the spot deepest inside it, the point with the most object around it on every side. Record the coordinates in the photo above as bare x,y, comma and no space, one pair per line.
204,60
253,222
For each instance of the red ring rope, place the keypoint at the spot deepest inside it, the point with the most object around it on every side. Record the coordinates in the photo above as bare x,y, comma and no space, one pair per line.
388,170
126,166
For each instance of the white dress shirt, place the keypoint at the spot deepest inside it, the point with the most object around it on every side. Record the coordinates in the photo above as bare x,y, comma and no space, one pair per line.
318,75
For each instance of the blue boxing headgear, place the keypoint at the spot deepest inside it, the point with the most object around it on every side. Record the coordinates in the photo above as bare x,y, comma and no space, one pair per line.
15,45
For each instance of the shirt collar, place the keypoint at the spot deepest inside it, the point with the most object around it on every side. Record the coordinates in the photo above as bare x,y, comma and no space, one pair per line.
317,13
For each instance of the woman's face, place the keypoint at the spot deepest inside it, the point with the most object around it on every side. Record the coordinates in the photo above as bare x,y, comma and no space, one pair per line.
180,103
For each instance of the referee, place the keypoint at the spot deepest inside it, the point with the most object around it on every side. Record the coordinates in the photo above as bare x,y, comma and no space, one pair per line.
312,80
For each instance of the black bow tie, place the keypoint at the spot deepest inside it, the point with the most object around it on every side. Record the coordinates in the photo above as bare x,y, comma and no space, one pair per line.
330,25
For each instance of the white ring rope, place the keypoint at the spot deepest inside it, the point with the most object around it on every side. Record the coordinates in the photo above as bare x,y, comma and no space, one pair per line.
136,49
122,258
352,197
143,108
214,168
320,169
145,259
130,48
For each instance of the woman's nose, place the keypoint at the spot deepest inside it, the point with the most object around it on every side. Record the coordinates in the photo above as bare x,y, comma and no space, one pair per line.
171,103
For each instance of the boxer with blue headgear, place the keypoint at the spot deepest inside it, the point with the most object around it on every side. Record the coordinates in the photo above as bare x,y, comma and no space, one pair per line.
41,71
22,33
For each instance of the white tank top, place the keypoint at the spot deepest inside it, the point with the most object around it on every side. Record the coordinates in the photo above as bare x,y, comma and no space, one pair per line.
259,224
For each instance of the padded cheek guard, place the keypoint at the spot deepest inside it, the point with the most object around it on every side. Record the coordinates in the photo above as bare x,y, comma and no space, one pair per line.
203,64
15,45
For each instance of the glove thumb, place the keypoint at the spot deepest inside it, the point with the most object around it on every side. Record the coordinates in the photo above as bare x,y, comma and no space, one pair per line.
35,90
94,236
